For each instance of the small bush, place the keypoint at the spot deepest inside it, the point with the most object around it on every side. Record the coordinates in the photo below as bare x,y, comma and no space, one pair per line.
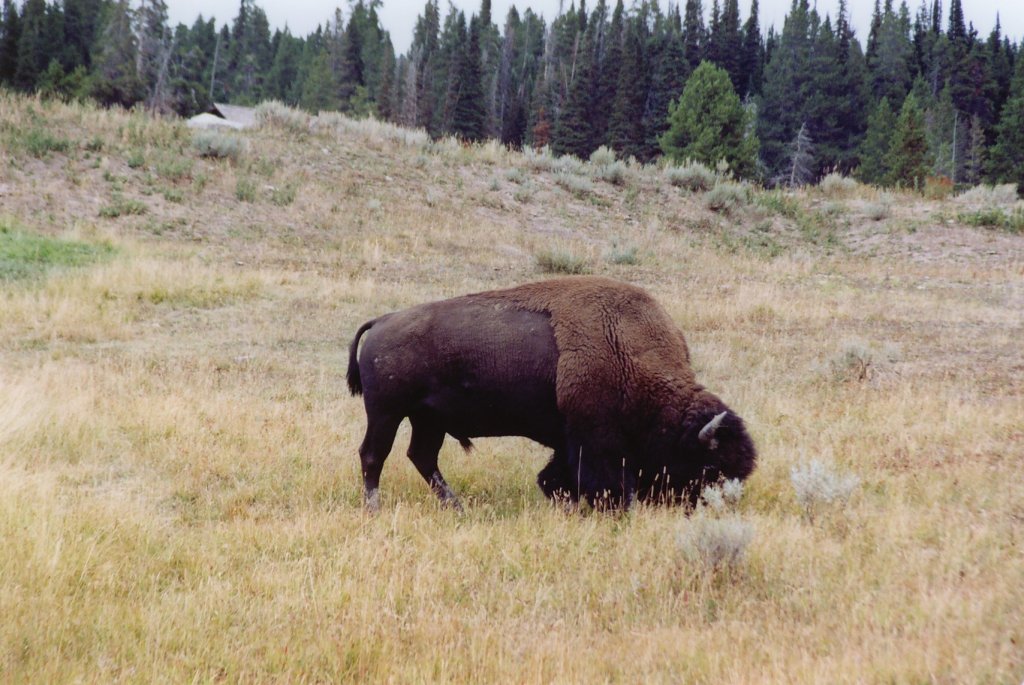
515,175
938,187
284,195
539,160
715,542
577,185
216,145
562,262
121,206
173,195
135,159
39,143
245,190
274,114
780,203
995,218
818,484
614,173
626,256
837,185
726,197
522,194
570,165
602,156
877,211
859,361
692,176
988,196
174,168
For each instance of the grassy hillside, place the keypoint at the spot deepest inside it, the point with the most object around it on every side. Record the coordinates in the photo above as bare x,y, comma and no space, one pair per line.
179,488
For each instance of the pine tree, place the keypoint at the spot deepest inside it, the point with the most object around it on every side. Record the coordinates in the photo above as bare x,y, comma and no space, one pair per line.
907,158
752,61
788,83
873,168
667,83
889,63
1006,157
574,132
284,71
708,124
319,89
470,109
727,44
33,45
693,33
385,105
626,132
115,80
10,32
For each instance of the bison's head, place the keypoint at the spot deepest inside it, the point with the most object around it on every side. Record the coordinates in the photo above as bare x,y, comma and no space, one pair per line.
711,445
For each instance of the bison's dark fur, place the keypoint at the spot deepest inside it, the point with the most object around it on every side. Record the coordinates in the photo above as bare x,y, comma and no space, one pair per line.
591,367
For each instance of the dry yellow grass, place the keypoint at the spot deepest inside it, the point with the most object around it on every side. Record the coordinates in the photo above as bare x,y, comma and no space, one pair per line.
179,490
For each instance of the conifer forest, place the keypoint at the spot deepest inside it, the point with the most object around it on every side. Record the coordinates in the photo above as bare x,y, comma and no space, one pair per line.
922,96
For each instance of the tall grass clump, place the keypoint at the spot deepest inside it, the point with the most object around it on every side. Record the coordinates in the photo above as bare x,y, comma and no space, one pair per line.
692,176
714,543
370,130
726,197
879,209
274,114
216,145
985,196
606,167
995,217
715,537
837,185
577,185
539,160
818,484
859,361
557,261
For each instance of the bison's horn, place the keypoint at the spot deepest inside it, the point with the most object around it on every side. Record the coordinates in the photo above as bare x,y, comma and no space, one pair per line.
707,433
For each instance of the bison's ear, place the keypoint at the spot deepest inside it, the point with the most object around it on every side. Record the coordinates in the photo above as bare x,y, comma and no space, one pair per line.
707,433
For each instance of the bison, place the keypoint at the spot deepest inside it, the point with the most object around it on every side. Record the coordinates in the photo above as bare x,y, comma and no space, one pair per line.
591,367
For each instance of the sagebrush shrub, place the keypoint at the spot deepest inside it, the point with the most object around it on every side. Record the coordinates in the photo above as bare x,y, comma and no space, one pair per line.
562,262
279,115
715,542
818,483
837,185
216,145
692,176
726,197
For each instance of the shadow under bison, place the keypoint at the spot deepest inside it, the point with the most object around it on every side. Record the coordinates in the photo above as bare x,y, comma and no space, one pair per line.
593,368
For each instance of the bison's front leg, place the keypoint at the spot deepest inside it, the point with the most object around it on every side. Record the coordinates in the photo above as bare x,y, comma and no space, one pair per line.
604,478
555,480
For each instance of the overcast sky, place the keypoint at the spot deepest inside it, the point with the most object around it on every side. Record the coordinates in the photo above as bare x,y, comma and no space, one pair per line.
399,16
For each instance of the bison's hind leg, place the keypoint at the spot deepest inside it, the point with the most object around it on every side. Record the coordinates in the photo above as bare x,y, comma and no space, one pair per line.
424,445
380,437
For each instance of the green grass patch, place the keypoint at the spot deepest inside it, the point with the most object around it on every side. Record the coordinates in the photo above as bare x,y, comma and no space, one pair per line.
995,218
121,206
26,256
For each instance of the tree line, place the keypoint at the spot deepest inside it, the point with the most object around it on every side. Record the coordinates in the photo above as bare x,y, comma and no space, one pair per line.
924,96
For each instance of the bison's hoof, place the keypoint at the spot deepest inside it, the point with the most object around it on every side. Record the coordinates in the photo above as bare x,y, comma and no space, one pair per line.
372,501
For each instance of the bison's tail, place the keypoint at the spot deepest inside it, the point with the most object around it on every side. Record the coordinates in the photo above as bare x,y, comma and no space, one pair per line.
355,383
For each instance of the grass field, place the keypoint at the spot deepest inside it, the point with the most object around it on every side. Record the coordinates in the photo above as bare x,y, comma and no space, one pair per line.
179,489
